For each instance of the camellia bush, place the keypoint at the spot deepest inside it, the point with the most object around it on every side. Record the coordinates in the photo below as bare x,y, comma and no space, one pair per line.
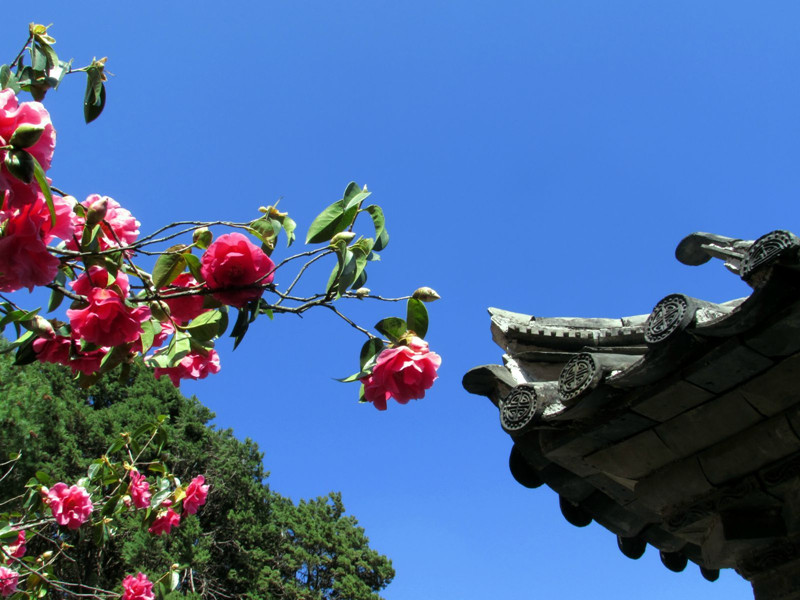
167,296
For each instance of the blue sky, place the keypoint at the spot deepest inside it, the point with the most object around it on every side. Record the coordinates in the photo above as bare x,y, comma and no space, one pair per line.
542,157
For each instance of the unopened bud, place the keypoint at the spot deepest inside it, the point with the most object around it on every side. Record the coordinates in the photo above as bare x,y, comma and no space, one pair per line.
160,310
344,236
26,135
426,294
40,326
47,555
202,237
97,211
274,212
362,292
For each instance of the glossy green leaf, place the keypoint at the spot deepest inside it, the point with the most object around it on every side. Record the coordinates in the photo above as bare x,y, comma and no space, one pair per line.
167,268
205,326
56,296
8,79
370,350
194,266
392,327
354,195
20,164
94,98
417,317
41,179
150,329
240,327
326,224
289,227
381,241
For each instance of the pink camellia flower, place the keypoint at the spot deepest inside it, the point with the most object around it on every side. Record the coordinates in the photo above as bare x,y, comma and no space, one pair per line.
164,522
71,506
402,373
8,581
196,494
185,308
231,262
26,231
137,588
13,114
17,549
139,490
66,351
107,320
117,223
192,366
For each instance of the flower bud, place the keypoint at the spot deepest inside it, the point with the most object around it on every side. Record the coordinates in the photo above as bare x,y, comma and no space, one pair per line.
97,211
362,292
276,214
426,294
160,310
40,326
344,236
202,237
26,135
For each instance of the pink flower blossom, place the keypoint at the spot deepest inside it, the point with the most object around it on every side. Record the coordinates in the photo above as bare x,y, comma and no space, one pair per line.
107,320
66,351
13,114
137,588
403,373
184,308
164,522
8,581
139,490
118,223
17,549
196,494
232,263
71,506
192,366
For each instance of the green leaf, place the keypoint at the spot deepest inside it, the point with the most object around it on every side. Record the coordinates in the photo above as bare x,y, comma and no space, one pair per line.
205,326
392,327
38,58
370,350
194,266
25,354
326,224
20,164
94,99
8,79
174,580
44,478
417,317
56,296
376,212
289,226
348,273
41,179
240,327
168,267
361,251
354,195
381,241
180,346
150,329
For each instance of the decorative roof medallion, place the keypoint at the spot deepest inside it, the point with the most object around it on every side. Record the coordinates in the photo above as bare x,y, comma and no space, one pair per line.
519,408
666,318
766,249
577,376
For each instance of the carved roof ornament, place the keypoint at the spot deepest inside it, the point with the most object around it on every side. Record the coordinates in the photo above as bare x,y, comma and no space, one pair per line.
678,429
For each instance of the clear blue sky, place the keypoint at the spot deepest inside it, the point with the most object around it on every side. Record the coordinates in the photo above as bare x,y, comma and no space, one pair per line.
544,157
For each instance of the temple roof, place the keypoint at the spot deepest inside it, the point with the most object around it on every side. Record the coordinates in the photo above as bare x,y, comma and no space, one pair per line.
679,428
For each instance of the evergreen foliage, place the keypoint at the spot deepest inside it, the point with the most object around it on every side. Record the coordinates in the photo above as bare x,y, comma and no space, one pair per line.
246,542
